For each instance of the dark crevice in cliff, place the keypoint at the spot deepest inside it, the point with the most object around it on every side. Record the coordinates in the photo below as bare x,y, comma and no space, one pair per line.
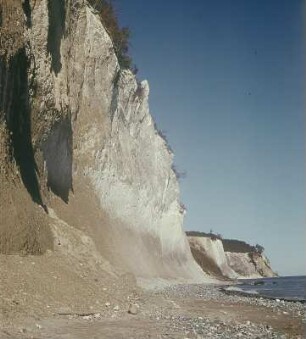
14,105
1,14
57,17
28,12
115,94
57,151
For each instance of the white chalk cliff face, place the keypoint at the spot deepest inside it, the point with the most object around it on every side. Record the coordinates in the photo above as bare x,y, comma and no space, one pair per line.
210,255
250,265
116,149
77,136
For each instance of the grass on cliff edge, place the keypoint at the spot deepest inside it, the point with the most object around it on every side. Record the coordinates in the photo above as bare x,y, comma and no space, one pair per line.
230,245
120,35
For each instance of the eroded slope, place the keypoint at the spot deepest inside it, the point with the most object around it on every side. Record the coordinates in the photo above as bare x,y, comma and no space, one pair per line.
72,122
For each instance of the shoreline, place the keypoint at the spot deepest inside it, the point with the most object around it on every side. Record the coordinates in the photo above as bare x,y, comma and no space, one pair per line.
193,311
240,292
261,288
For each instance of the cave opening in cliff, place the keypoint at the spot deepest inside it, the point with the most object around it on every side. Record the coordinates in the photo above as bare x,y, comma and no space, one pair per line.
57,151
14,94
57,15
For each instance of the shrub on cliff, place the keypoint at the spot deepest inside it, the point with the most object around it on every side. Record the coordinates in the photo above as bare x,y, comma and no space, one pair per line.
259,249
230,245
119,35
210,235
238,246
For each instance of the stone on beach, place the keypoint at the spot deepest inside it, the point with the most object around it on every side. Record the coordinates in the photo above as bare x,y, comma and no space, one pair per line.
133,309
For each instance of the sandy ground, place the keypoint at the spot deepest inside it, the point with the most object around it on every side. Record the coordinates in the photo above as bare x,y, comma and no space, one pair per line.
73,292
185,311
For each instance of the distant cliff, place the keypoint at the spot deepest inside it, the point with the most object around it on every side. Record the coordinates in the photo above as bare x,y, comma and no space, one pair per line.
228,258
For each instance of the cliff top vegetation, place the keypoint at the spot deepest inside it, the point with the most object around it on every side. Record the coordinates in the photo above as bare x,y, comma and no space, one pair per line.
230,245
120,35
210,235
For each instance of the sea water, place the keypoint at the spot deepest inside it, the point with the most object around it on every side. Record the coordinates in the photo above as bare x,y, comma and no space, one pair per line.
291,288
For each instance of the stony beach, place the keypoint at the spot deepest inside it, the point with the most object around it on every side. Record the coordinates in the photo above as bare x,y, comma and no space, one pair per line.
236,316
177,311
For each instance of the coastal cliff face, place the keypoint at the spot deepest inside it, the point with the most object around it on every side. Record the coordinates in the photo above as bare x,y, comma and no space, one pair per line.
76,136
209,253
78,147
250,265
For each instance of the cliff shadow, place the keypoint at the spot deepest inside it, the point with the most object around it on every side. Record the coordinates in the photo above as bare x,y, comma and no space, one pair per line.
207,264
1,15
15,108
57,16
28,12
57,151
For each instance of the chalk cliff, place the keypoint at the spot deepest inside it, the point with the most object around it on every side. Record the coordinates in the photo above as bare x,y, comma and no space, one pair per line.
79,148
76,135
209,254
228,258
250,265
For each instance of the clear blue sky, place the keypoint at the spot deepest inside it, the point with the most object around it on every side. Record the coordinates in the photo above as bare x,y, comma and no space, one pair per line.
227,85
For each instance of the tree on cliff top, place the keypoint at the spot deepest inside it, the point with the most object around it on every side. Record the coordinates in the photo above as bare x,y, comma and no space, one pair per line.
120,35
